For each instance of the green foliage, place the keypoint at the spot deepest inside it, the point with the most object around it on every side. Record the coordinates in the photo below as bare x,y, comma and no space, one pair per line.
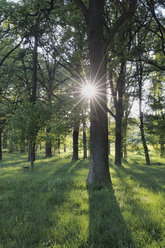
29,118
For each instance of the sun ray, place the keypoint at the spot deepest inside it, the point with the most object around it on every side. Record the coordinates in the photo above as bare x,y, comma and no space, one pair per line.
92,100
100,105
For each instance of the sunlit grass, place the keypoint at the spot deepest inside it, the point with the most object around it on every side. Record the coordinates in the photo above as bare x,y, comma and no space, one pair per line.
51,206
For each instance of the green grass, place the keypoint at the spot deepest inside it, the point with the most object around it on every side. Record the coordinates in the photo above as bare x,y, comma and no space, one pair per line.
51,207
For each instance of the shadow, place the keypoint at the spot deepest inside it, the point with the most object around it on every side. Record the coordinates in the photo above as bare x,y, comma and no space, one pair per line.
140,207
107,227
147,176
34,204
11,164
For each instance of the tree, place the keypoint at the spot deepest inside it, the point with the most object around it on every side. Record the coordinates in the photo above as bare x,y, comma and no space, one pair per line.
99,166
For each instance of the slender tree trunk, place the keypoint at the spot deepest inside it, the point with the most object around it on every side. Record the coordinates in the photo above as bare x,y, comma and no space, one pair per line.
125,136
34,97
75,142
84,140
0,144
144,140
162,150
119,116
48,144
99,165
140,70
32,153
58,145
11,147
22,150
5,141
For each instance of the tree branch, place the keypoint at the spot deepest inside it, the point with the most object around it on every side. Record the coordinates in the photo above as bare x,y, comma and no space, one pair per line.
12,50
83,8
121,20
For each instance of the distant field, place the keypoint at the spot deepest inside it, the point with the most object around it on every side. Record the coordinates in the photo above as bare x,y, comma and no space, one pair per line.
51,207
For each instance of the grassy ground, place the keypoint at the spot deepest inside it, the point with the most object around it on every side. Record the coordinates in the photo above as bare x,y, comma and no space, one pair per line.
51,206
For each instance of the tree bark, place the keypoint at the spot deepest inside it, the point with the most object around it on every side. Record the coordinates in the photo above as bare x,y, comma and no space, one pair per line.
75,143
99,165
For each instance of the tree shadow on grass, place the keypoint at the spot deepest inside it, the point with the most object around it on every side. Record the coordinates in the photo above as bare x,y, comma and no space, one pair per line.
148,228
147,176
107,227
32,207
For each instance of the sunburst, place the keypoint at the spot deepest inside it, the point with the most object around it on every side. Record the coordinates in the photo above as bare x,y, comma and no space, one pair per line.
89,90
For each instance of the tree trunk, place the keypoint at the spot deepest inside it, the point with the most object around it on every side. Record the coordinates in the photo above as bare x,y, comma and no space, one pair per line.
75,143
22,150
144,140
5,141
99,165
125,136
84,140
0,144
58,146
11,147
162,150
119,116
48,144
140,72
34,97
32,153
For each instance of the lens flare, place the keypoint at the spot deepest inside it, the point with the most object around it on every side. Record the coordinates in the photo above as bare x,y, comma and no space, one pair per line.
88,91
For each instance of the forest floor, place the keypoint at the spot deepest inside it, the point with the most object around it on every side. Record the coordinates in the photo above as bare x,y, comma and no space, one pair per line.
50,206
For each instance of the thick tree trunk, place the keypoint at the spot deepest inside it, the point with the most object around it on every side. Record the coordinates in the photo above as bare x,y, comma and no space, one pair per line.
48,144
0,144
140,72
75,143
84,140
99,165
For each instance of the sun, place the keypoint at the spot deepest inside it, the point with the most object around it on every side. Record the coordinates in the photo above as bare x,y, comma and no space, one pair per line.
89,90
